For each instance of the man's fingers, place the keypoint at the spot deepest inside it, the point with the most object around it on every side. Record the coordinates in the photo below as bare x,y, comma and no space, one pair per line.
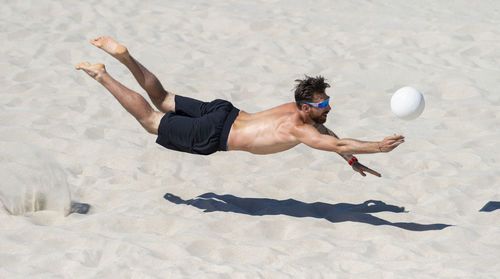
396,137
391,142
361,169
367,169
394,144
373,172
396,140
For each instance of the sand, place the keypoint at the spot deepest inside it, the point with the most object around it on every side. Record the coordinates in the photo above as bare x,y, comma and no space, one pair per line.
303,213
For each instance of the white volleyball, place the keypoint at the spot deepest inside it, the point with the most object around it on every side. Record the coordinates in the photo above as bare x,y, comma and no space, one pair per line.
407,103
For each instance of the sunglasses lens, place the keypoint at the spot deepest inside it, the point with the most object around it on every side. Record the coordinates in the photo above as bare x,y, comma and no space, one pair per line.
324,103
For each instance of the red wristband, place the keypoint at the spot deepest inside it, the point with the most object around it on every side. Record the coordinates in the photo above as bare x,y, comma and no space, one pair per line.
354,159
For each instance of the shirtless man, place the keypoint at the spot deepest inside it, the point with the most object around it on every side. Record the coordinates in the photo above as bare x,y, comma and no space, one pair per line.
189,125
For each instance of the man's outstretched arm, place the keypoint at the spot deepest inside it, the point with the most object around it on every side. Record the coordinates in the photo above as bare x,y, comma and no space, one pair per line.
322,129
308,135
355,164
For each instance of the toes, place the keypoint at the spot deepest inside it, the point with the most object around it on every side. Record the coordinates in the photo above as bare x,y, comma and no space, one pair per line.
82,65
96,41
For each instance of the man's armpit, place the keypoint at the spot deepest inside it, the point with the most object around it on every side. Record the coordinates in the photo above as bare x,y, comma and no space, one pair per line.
321,129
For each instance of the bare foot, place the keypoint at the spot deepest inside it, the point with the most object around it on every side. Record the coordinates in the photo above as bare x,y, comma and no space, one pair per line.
111,46
95,71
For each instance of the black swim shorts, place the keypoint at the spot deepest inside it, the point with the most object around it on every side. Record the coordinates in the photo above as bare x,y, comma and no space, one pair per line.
197,127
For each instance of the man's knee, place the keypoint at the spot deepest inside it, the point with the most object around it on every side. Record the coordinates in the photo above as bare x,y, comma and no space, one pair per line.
166,103
151,122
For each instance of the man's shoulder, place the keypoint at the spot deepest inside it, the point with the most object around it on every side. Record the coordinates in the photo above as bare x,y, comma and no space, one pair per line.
284,112
287,107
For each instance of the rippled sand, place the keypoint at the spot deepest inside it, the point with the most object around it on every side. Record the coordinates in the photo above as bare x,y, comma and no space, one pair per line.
303,213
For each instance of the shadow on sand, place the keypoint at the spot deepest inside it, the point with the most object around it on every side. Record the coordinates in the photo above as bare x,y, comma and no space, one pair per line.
335,213
490,206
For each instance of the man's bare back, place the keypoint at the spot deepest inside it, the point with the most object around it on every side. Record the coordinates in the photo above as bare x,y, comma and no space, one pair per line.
264,132
270,131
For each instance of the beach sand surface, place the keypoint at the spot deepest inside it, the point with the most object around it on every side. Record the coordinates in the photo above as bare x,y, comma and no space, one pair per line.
303,213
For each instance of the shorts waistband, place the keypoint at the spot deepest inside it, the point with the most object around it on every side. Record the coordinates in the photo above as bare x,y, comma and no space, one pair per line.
227,128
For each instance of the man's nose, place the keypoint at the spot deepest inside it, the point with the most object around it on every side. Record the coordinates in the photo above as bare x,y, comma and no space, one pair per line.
328,107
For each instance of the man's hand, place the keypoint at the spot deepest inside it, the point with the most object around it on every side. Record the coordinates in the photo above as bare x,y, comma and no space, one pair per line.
391,142
362,169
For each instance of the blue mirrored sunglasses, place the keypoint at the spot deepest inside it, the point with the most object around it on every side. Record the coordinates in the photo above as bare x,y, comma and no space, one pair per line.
321,105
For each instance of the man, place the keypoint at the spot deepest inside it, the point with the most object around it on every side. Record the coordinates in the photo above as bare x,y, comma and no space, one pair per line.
189,125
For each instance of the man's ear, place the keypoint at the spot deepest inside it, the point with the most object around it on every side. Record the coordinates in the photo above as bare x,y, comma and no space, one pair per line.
305,108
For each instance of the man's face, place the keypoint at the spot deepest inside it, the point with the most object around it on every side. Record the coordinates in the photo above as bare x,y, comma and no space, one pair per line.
318,115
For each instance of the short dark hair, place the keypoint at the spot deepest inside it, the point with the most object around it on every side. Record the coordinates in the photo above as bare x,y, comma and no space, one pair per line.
306,88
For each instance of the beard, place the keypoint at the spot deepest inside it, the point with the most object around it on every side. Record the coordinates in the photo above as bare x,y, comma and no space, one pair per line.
320,119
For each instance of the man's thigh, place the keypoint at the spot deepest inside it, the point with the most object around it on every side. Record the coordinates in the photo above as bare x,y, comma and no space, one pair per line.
186,106
195,108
